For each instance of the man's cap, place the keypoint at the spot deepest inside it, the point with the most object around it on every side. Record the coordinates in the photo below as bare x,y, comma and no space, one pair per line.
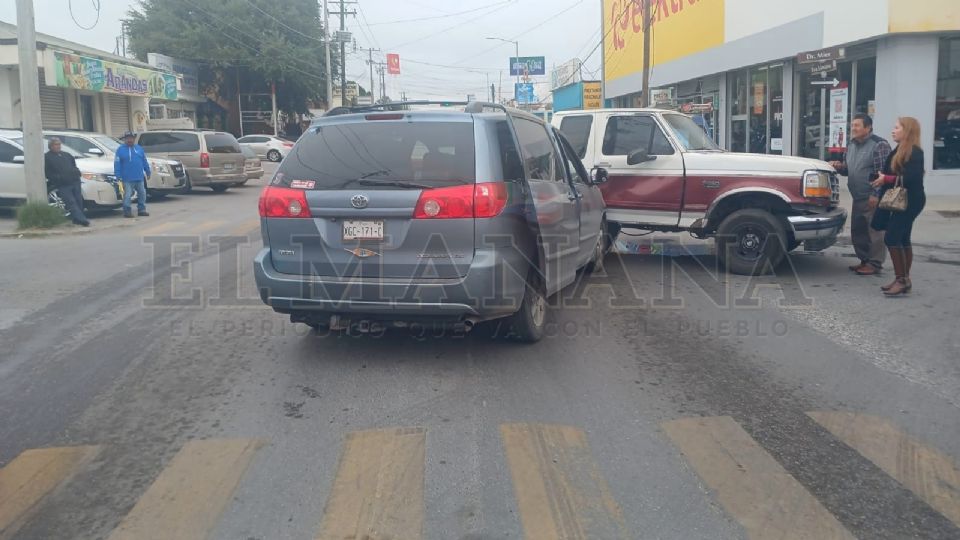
129,134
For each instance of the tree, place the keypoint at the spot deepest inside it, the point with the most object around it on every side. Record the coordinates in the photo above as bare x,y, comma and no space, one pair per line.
253,42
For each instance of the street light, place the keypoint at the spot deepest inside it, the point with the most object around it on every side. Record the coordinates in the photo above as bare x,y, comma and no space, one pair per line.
516,45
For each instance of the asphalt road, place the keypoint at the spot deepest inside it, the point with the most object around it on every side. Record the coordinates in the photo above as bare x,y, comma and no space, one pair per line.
668,402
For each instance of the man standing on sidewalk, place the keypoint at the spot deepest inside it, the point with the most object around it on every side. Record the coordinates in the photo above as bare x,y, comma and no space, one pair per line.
63,175
131,167
861,165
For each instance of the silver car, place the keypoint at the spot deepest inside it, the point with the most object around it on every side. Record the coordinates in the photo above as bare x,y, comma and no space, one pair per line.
434,216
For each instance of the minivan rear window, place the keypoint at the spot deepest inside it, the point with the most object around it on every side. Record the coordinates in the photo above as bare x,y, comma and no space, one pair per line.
221,143
338,156
169,142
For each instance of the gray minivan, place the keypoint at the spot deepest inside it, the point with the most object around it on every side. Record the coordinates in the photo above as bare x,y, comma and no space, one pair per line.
432,216
211,158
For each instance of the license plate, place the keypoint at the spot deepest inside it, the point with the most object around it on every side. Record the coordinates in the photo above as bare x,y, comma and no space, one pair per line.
228,166
362,230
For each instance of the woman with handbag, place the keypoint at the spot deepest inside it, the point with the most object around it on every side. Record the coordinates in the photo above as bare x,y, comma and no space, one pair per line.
901,201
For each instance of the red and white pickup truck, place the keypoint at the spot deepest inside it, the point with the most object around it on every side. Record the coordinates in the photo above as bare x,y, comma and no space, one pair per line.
665,174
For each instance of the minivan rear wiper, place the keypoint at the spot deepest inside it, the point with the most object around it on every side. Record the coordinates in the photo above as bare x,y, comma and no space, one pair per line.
394,183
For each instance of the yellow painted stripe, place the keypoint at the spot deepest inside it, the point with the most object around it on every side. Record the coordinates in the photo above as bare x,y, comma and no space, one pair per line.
560,491
378,491
750,484
32,475
163,227
930,474
187,498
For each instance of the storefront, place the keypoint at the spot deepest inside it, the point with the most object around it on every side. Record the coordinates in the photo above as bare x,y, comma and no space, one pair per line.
747,60
579,95
81,87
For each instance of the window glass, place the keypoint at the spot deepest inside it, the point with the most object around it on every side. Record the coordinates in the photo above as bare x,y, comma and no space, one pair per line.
8,152
247,153
336,156
109,142
574,166
221,143
690,134
169,142
577,131
538,152
627,134
509,155
946,132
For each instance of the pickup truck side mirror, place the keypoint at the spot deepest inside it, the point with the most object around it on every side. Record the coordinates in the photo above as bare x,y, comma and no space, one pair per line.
95,151
639,156
18,159
599,175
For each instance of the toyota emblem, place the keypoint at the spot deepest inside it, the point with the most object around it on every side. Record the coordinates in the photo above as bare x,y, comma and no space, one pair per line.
359,201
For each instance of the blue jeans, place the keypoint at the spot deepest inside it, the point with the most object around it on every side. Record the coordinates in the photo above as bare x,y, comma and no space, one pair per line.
128,189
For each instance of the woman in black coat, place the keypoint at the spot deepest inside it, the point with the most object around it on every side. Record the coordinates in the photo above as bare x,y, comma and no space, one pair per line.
906,162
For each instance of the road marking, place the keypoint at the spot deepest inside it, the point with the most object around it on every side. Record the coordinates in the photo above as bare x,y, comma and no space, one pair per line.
749,483
163,227
187,498
560,491
26,480
246,228
930,474
378,491
205,226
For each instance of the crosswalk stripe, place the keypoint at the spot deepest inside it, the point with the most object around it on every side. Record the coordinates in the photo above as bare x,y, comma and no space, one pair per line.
163,227
930,474
560,491
749,483
378,490
31,476
186,499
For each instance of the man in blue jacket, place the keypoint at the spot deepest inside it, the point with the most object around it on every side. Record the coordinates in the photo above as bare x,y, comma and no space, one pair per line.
131,167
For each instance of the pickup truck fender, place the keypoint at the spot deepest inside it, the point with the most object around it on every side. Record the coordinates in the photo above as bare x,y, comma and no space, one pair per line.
731,200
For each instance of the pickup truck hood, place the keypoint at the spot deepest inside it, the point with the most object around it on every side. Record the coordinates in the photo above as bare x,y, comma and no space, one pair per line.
95,165
734,163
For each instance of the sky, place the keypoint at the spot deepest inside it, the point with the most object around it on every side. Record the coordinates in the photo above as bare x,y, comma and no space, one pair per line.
444,55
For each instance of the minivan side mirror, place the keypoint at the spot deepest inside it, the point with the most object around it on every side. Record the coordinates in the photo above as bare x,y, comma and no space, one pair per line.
95,151
18,159
599,175
639,156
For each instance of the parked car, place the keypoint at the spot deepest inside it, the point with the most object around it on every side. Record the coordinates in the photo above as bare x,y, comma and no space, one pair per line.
666,174
252,167
212,158
440,216
100,188
168,176
267,146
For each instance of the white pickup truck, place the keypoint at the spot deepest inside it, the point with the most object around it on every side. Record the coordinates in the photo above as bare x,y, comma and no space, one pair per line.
665,174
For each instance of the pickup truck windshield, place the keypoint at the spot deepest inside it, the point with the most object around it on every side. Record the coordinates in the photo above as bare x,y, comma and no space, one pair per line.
689,134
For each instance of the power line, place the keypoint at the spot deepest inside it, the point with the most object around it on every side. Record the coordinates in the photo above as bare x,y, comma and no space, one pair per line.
445,16
461,23
96,7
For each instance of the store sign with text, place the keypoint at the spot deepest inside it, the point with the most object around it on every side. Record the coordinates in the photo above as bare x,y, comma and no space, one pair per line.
839,113
679,28
527,65
393,63
592,95
85,73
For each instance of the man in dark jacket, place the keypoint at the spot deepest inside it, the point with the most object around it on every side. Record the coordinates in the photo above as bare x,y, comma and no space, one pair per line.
64,176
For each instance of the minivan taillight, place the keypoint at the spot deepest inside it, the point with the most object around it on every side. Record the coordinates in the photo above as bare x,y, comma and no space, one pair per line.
282,202
204,160
483,200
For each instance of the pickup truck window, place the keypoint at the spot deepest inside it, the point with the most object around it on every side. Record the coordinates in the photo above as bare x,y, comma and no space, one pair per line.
691,136
538,152
626,134
577,131
8,152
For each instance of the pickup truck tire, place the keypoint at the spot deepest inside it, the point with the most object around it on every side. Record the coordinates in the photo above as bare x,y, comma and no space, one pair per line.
527,325
751,242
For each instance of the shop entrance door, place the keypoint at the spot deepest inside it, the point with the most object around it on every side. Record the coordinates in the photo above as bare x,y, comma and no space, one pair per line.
86,112
814,118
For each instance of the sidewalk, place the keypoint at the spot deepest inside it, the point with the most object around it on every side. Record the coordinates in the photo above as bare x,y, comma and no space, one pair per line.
938,225
99,222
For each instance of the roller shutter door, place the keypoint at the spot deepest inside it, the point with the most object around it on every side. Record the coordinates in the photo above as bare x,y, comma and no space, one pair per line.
119,107
53,108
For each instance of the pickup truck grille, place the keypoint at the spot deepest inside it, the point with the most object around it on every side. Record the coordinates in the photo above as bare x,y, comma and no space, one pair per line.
834,189
177,170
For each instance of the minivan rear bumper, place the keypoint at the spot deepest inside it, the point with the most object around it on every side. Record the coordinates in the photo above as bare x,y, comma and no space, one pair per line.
203,177
493,288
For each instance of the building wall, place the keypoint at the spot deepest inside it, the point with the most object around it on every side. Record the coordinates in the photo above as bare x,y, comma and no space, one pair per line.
9,93
568,97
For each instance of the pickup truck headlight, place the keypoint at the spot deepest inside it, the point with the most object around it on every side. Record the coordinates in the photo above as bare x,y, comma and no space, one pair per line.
816,185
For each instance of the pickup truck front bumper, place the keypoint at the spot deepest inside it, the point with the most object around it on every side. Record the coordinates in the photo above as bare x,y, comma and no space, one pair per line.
818,231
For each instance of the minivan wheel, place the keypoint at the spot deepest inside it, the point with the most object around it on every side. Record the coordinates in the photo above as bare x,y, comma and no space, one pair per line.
751,242
219,189
273,156
599,250
528,323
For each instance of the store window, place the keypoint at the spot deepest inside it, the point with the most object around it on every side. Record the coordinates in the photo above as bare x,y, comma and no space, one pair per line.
756,112
946,132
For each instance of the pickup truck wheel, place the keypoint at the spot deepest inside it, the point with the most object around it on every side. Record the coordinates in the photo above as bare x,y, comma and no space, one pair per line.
527,325
751,242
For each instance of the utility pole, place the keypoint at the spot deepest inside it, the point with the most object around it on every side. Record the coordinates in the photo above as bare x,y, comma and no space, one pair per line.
371,63
647,23
343,49
30,104
326,52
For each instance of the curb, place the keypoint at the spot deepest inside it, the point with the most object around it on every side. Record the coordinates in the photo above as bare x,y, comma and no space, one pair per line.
68,230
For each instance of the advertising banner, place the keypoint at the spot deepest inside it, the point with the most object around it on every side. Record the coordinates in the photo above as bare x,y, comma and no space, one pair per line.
678,29
84,73
523,92
189,73
592,95
839,107
564,74
527,65
393,63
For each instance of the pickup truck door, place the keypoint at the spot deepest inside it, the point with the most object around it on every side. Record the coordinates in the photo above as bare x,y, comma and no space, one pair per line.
645,193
